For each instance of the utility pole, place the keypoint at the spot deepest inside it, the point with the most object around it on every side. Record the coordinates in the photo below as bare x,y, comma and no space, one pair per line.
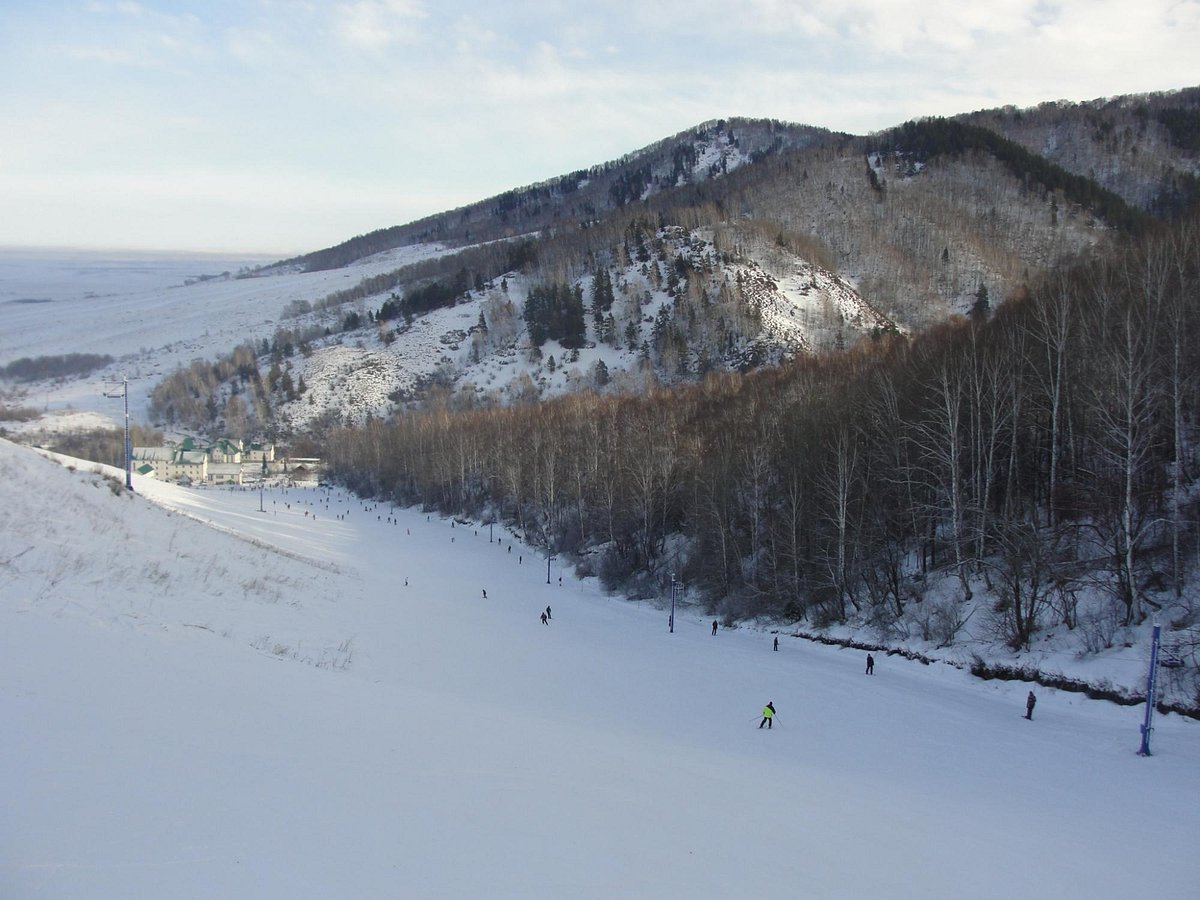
128,447
262,482
671,621
1147,725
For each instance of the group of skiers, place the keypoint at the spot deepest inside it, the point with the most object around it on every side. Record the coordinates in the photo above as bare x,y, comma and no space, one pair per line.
546,616
768,714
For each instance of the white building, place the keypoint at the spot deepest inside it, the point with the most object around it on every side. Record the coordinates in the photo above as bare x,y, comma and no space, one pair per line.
225,461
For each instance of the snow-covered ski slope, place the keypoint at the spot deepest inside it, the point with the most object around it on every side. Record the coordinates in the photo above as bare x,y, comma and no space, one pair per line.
265,709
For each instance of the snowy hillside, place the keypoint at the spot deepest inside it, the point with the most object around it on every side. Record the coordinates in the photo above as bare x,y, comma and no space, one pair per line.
153,314
795,306
159,316
208,700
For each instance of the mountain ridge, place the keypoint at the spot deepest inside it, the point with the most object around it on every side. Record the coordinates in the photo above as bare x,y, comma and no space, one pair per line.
764,137
934,219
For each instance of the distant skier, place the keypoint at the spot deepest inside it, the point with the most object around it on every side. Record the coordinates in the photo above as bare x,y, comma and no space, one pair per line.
544,622
485,593
548,616
776,647
768,715
714,626
1030,702
870,664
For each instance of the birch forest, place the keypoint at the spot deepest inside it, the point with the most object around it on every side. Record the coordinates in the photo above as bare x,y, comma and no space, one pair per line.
1038,450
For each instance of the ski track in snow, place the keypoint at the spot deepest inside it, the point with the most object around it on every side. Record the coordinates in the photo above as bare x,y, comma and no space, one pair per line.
191,714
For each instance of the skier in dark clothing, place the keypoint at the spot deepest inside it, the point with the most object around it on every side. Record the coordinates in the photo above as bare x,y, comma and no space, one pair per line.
544,622
768,715
714,626
1030,702
776,644
870,664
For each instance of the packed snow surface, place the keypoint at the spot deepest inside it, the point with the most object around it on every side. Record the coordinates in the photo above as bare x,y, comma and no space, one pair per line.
228,693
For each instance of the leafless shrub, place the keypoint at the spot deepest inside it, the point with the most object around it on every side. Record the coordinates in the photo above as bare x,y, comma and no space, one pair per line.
1099,624
155,574
940,621
10,413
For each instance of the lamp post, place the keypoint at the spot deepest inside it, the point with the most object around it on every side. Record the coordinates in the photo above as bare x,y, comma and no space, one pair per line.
549,556
262,483
671,621
128,447
489,532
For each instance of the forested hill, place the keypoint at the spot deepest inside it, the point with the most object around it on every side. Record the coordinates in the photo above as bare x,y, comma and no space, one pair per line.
917,143
582,197
730,247
1143,147
920,218
1041,460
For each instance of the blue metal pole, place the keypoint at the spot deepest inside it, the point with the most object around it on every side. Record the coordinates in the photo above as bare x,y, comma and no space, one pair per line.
128,446
1147,725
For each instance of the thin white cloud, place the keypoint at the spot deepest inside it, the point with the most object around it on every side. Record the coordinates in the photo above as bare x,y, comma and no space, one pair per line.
473,37
373,24
257,46
128,34
109,56
935,26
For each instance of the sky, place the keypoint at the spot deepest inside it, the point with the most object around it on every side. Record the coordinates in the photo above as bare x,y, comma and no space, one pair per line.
285,126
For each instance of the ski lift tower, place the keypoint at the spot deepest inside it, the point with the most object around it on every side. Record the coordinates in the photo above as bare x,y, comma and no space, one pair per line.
1148,724
128,447
674,590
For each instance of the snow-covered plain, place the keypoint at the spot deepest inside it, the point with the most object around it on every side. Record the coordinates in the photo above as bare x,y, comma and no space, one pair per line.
202,699
153,313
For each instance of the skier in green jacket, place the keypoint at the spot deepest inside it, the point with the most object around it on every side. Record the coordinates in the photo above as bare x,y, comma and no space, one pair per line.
768,715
